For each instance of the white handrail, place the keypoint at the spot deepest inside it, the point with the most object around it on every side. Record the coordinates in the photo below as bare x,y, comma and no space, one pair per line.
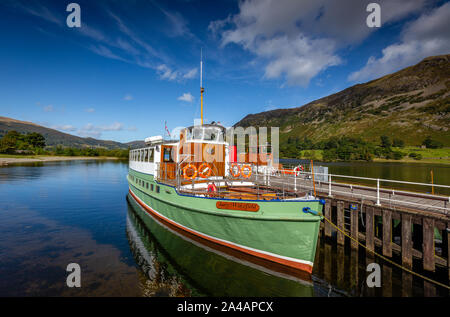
380,179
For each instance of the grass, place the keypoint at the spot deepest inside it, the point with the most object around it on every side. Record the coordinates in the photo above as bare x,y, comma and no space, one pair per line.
20,156
443,153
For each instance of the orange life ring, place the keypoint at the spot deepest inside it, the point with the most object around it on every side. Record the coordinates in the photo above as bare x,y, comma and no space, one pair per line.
233,166
247,167
205,167
212,189
194,175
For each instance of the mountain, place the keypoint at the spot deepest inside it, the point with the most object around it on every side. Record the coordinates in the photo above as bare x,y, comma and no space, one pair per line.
409,105
54,137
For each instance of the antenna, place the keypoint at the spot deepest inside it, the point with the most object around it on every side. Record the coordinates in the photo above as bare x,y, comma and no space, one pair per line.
201,83
201,68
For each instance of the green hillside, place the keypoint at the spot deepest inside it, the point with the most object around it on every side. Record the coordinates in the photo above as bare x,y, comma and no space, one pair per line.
408,105
55,138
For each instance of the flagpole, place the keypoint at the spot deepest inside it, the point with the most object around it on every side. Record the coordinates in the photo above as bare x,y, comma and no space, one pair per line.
201,84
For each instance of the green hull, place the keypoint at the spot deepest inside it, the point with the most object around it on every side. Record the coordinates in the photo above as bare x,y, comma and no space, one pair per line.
278,234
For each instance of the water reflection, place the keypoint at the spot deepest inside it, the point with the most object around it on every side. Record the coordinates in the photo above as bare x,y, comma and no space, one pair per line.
343,270
175,266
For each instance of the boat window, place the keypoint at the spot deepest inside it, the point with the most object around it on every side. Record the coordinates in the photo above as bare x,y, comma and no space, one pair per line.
167,156
146,185
198,134
151,187
220,138
157,189
210,135
188,134
151,156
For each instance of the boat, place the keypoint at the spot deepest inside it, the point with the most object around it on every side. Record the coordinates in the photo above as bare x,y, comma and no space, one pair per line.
200,187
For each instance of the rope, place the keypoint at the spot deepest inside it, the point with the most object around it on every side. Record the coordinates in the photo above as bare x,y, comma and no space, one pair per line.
386,259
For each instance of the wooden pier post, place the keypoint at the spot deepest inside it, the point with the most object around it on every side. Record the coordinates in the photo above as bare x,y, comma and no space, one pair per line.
428,244
447,238
370,242
354,269
406,284
354,226
327,264
387,232
340,222
429,289
386,280
327,215
340,265
406,240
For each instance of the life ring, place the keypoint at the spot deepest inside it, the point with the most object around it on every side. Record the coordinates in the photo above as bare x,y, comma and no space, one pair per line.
235,166
248,168
204,170
212,189
298,169
194,175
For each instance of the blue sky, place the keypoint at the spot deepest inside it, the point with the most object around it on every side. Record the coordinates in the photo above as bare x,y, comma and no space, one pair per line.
134,64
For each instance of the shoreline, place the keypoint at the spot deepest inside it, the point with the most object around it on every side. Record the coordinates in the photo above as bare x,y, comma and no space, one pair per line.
15,159
379,160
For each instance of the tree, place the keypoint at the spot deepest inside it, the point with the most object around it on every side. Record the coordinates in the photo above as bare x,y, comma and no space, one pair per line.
432,144
8,143
398,143
385,141
35,139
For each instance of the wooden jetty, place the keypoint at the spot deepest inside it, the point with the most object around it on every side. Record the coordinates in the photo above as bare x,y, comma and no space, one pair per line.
392,222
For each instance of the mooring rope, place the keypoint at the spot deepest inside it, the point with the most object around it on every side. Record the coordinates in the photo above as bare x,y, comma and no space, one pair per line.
386,259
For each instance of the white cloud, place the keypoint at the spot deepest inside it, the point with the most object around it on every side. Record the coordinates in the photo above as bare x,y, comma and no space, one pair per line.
299,39
191,74
187,97
90,130
165,72
128,97
426,36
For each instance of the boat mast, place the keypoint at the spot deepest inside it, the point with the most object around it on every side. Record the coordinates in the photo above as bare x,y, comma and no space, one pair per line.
201,84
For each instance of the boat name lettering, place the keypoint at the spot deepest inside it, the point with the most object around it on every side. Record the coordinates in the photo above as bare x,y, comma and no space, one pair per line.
237,206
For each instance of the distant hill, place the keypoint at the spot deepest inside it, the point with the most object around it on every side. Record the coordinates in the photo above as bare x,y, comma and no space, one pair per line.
410,105
135,144
55,137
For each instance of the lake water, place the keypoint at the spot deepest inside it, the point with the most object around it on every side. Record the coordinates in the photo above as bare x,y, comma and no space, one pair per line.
58,213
